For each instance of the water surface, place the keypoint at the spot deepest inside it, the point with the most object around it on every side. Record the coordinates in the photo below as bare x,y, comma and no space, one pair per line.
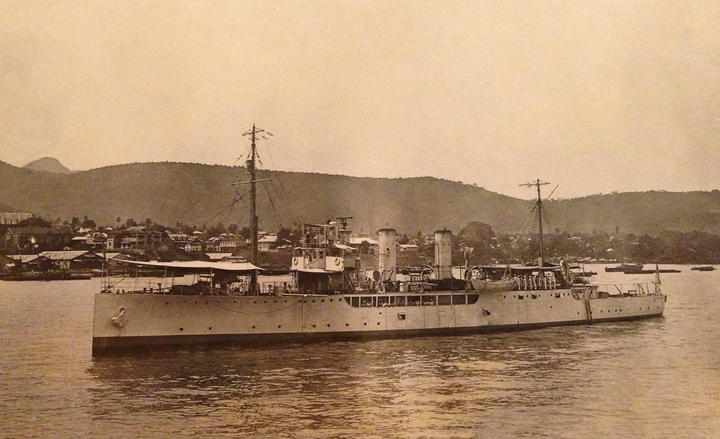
651,378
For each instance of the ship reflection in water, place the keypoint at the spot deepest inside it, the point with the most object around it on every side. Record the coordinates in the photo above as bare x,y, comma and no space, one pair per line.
426,386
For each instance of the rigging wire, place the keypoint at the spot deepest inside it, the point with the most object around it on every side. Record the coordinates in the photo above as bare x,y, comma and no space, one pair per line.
289,213
272,204
211,187
222,211
525,223
272,162
276,209
311,188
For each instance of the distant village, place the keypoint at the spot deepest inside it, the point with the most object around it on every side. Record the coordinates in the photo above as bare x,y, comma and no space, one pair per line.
31,243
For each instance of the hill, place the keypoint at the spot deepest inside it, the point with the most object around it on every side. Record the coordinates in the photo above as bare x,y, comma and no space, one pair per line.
48,164
196,194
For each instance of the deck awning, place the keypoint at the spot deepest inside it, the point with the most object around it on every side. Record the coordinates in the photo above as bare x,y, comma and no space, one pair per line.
197,266
315,271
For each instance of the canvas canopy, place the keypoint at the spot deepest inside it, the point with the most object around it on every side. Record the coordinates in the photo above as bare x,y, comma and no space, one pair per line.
198,266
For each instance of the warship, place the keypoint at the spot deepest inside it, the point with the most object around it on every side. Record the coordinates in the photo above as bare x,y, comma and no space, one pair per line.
331,295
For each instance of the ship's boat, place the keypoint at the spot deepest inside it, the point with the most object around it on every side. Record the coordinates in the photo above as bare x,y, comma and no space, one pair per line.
331,295
637,268
704,268
481,278
627,267
492,285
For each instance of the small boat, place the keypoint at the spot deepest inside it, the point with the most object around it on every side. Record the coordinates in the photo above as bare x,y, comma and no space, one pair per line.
491,278
625,268
704,268
637,268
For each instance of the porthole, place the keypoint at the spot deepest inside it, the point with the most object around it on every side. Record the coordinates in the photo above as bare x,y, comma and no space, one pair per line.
181,329
210,328
279,326
253,327
365,324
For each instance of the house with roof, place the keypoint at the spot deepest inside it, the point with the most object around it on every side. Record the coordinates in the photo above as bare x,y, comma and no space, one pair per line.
179,239
134,238
193,246
73,259
360,242
214,256
356,241
408,248
13,218
267,241
229,242
32,240
26,263
89,241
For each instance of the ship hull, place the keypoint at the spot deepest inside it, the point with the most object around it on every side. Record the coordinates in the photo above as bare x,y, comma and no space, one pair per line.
124,321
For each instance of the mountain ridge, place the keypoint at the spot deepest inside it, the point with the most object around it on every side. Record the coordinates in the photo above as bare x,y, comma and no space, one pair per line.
198,194
48,164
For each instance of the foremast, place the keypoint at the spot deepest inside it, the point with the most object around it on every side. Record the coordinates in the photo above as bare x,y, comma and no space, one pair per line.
250,164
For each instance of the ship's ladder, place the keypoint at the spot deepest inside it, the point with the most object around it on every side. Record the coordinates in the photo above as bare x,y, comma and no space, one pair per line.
589,310
349,280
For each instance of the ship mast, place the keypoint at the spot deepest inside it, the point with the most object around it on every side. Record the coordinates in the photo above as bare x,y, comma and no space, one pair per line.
538,183
250,164
253,195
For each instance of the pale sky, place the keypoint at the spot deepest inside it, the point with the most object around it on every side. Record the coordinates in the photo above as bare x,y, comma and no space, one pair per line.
593,96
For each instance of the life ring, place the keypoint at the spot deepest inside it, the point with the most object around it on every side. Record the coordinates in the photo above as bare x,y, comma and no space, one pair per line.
337,262
295,261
